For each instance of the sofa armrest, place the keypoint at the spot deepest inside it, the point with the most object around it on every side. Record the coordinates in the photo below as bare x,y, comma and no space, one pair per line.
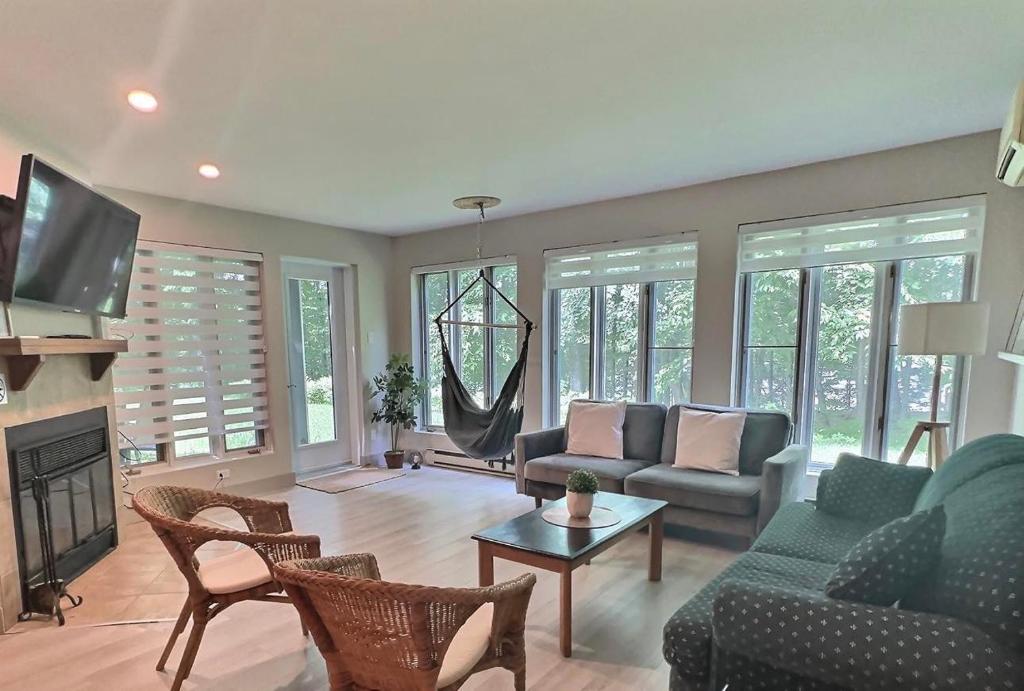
782,479
856,645
534,445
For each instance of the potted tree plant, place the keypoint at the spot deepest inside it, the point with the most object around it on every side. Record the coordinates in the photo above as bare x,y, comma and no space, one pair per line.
399,391
580,488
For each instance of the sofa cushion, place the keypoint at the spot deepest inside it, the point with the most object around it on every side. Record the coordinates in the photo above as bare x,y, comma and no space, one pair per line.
884,566
870,490
798,530
764,435
697,489
709,441
595,429
556,468
642,430
687,636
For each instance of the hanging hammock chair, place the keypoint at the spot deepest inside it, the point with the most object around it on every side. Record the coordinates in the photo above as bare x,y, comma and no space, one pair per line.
483,433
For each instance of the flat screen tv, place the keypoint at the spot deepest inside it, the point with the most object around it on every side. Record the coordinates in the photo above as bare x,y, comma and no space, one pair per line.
66,246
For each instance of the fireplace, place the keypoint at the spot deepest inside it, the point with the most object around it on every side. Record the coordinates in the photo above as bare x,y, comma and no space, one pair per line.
62,497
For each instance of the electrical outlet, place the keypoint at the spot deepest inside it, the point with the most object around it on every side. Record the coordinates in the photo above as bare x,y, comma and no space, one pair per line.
223,473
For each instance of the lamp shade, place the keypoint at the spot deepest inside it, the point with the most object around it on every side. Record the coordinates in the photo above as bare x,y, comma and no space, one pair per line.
944,328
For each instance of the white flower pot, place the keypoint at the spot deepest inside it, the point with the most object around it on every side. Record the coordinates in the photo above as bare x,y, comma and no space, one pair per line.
579,505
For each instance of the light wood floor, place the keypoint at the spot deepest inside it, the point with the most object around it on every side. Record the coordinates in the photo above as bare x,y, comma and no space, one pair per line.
418,526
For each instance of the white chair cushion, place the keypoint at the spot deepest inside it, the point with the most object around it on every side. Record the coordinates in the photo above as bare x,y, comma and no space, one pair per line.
467,647
234,571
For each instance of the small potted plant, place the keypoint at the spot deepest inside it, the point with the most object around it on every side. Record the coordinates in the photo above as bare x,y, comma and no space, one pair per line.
399,391
580,488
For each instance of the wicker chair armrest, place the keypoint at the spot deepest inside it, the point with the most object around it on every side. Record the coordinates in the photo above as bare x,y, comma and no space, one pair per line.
260,515
348,565
511,600
274,548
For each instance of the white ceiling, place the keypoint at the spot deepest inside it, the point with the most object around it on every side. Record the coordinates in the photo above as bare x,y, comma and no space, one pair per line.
374,114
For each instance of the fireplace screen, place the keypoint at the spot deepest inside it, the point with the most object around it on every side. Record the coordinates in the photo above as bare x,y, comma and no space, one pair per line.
65,519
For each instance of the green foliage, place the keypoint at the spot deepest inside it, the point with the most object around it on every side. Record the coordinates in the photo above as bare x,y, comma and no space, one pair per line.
582,482
320,391
842,368
399,393
672,337
622,324
314,304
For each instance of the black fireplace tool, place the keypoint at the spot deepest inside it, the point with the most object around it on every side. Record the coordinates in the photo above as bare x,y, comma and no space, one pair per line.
45,598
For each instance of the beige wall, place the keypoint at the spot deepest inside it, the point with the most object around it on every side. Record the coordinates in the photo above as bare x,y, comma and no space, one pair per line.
952,167
174,220
940,169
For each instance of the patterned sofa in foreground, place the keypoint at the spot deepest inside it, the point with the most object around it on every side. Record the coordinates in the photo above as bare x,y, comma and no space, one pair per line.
765,622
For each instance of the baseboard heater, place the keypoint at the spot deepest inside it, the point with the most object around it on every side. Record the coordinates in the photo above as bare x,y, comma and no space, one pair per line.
454,459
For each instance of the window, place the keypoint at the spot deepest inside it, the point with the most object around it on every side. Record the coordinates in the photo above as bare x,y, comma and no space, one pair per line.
193,382
820,315
482,357
621,322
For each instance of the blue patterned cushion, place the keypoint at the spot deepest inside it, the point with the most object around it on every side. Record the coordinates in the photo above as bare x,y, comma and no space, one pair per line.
884,566
799,530
970,462
687,635
866,489
981,576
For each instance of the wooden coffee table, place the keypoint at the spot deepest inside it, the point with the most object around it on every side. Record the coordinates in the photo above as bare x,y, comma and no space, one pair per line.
531,540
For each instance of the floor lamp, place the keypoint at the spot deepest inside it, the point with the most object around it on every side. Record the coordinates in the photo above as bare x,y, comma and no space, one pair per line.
940,329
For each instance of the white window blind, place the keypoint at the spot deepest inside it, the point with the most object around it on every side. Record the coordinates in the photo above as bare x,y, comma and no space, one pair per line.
662,259
928,229
195,364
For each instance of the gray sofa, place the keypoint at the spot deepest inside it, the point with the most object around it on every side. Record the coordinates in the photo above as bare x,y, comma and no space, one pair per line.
771,469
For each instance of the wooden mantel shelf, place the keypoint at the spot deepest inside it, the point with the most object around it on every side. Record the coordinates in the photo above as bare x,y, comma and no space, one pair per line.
26,355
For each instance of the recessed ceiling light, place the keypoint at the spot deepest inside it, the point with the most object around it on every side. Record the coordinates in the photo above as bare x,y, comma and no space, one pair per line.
142,101
209,171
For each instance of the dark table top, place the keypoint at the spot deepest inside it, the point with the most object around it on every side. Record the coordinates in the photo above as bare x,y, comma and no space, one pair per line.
532,533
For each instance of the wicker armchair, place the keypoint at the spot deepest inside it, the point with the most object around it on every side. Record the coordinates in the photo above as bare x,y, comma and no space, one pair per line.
380,636
245,574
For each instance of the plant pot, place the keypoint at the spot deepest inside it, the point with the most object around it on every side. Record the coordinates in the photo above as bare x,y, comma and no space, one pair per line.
394,459
579,505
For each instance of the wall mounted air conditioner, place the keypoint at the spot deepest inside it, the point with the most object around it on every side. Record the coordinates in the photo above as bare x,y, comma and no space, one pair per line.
1010,164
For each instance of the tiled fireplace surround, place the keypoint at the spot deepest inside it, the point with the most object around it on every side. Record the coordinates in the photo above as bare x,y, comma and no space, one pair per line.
63,385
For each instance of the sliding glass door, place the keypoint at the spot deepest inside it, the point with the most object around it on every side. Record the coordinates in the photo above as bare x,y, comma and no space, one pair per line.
317,376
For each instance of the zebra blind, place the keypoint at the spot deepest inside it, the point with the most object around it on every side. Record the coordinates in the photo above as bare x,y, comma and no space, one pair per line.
661,259
195,365
929,229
